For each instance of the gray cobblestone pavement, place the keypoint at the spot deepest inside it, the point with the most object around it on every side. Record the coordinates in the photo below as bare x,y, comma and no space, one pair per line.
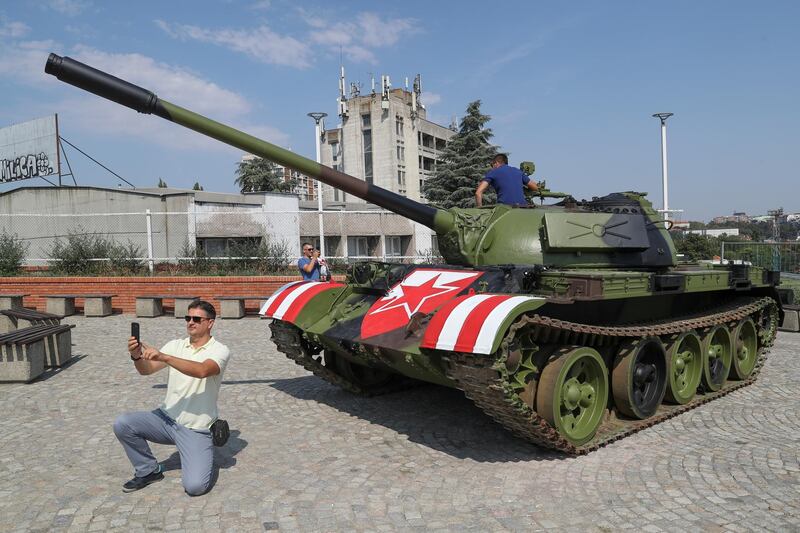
306,456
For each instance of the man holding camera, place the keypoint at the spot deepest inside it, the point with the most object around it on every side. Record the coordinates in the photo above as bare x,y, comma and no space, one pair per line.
310,263
196,365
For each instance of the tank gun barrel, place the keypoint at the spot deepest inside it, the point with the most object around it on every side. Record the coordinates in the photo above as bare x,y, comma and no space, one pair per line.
142,100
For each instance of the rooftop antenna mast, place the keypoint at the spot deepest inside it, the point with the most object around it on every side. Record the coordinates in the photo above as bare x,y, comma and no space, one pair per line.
341,102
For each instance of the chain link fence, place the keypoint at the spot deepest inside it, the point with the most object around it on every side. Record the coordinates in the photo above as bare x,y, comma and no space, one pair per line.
222,235
781,256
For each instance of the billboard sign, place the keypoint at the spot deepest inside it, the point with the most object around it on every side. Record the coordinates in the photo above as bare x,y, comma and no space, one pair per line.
29,150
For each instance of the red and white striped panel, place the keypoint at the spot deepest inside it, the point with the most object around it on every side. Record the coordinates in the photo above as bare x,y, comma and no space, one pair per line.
287,302
471,323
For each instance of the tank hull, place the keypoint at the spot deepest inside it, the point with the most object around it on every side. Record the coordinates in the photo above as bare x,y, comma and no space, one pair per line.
496,335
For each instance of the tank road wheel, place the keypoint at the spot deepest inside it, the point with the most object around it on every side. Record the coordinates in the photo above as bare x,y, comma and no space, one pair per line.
573,393
639,378
717,354
684,367
745,349
365,377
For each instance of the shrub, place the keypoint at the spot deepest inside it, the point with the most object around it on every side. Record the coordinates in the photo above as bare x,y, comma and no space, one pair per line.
75,255
125,260
12,252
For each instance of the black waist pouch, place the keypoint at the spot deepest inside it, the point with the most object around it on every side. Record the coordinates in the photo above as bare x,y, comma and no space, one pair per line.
220,432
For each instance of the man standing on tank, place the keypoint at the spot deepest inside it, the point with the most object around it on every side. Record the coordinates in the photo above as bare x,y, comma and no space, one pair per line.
507,181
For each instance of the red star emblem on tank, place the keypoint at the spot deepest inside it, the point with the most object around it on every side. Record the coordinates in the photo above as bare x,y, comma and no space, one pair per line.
421,291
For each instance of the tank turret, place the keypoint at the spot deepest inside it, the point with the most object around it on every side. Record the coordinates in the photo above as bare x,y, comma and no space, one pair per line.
615,231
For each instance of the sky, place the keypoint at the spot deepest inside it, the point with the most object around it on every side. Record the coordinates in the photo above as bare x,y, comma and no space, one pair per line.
571,86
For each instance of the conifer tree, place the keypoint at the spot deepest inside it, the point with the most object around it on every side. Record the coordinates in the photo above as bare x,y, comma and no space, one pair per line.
197,186
261,175
464,161
162,184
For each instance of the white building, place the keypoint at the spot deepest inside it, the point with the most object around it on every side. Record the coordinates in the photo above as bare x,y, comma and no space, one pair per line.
385,139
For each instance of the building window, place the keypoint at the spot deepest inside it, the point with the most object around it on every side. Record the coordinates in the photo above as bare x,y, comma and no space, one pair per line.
228,247
399,126
358,247
401,177
367,155
335,150
401,154
366,121
393,246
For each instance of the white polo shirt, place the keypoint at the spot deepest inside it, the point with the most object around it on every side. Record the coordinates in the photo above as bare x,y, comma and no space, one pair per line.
190,401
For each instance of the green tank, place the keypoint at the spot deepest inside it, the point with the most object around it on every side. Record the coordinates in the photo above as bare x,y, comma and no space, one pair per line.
572,324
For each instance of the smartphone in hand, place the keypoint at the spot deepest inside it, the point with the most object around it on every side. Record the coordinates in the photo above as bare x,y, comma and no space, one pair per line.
135,332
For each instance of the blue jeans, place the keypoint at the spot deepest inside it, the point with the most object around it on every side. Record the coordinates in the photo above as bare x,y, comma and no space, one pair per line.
194,446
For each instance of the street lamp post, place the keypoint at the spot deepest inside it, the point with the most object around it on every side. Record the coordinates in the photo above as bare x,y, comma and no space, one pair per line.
318,116
664,176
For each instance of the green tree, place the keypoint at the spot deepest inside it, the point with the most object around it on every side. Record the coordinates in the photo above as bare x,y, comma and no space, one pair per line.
464,161
257,175
696,247
162,184
197,186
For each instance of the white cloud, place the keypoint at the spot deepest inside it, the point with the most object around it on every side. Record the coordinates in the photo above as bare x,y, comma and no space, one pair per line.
78,111
69,7
431,98
168,81
356,39
262,44
377,32
261,5
24,62
13,29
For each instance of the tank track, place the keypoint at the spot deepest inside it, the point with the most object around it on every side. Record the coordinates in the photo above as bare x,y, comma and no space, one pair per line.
484,380
289,340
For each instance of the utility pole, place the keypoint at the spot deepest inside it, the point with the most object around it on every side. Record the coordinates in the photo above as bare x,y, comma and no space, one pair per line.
664,176
318,116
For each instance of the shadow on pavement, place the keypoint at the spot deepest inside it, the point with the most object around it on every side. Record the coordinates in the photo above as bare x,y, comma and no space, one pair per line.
50,372
224,456
437,417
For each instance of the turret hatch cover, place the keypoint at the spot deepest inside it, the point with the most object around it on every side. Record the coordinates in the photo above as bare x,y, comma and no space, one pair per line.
595,231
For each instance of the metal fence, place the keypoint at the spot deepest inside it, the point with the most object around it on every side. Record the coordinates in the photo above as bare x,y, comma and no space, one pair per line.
781,256
163,237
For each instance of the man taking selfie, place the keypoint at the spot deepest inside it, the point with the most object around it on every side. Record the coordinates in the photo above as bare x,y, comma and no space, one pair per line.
196,365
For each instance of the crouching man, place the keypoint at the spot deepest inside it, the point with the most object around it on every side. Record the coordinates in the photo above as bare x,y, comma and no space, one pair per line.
196,365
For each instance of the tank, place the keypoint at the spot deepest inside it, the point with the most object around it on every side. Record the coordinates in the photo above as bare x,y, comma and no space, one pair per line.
572,324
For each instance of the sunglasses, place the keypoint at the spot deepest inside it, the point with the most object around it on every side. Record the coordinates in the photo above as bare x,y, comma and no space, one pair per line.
195,319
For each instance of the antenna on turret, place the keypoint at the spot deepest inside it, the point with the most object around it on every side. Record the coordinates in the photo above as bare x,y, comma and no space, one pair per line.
372,78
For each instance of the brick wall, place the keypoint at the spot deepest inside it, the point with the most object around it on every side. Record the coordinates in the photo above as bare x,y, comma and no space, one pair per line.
127,289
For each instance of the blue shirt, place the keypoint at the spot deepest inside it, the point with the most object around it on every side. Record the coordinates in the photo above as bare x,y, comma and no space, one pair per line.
508,182
313,275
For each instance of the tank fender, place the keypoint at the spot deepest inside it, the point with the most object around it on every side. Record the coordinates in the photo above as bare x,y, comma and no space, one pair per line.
476,323
289,301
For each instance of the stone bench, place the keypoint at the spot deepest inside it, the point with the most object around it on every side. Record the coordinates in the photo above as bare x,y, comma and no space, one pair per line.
13,319
93,304
791,318
233,306
26,352
11,301
149,306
